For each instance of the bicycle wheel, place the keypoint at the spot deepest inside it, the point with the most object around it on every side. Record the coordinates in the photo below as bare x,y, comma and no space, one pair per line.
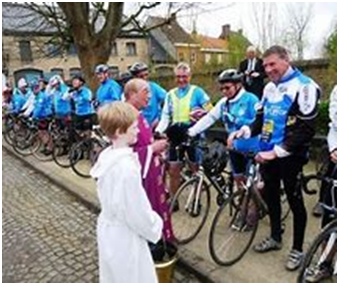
81,157
233,230
323,248
61,151
40,150
189,212
22,142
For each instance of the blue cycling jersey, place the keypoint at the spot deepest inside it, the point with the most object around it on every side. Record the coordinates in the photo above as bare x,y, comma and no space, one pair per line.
19,99
83,101
62,104
109,91
43,106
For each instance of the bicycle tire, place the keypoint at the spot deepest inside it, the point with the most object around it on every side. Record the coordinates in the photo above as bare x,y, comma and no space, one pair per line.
80,157
37,146
61,151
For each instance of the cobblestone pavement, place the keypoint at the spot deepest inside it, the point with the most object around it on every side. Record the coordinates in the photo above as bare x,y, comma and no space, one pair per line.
47,234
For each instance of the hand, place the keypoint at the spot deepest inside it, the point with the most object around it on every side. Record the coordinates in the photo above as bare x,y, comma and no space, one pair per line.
255,74
196,114
265,156
233,136
334,156
159,146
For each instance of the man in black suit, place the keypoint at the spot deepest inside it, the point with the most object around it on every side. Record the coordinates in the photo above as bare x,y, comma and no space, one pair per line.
254,72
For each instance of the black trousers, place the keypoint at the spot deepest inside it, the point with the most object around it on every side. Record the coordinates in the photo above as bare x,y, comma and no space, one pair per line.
286,169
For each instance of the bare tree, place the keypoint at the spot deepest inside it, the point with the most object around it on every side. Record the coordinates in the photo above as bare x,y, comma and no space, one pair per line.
93,26
299,17
265,20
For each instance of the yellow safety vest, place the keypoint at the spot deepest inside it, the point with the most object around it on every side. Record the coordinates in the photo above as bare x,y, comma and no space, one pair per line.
181,106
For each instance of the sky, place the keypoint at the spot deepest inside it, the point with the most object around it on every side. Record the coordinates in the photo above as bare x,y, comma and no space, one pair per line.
209,18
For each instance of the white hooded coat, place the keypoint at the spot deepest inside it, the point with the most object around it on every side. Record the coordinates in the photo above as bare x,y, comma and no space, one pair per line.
126,222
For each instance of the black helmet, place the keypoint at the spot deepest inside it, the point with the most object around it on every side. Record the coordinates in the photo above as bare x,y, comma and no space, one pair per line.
138,67
215,158
79,77
177,133
230,75
124,77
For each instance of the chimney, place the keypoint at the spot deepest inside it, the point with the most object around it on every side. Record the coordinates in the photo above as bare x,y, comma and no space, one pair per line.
226,29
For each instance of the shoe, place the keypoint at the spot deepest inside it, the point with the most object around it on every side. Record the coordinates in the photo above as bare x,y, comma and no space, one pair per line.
319,273
176,207
294,260
197,213
238,223
267,245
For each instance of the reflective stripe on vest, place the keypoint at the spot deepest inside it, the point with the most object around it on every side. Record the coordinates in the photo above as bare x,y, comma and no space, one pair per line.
181,106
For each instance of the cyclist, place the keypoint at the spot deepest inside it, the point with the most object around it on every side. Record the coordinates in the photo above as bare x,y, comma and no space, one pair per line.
325,269
183,106
20,95
285,122
109,90
236,109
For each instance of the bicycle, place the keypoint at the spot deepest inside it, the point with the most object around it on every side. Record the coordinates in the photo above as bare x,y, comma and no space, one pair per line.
194,198
323,249
233,230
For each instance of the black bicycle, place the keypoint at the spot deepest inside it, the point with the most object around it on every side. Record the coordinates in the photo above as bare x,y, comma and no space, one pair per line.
321,258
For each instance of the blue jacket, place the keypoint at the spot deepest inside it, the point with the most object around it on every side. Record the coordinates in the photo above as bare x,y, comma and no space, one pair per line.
83,101
43,106
62,105
109,91
19,99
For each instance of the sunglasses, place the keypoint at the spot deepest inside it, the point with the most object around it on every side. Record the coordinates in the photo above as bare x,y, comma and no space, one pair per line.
226,88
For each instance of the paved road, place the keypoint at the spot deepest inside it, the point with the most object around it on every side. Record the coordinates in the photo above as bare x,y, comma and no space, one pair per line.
47,234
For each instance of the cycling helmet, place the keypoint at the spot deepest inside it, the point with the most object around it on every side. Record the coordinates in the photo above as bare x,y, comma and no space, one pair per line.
54,80
101,68
79,77
230,75
43,79
124,77
138,67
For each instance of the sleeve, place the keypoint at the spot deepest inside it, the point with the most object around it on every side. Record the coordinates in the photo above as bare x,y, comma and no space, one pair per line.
333,106
65,93
242,67
332,135
139,215
29,105
261,69
208,120
256,126
300,125
165,117
28,102
204,100
332,139
88,95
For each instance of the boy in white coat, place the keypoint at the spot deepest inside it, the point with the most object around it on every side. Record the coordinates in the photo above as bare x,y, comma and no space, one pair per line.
126,222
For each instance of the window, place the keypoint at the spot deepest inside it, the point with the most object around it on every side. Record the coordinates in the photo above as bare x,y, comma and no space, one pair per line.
220,58
25,51
193,57
52,50
207,57
72,50
74,71
58,71
131,49
114,49
181,56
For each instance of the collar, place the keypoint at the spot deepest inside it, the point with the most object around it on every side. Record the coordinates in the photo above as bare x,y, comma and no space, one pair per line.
290,74
237,96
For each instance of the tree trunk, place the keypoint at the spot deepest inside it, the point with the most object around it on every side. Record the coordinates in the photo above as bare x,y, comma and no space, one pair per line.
89,58
94,47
